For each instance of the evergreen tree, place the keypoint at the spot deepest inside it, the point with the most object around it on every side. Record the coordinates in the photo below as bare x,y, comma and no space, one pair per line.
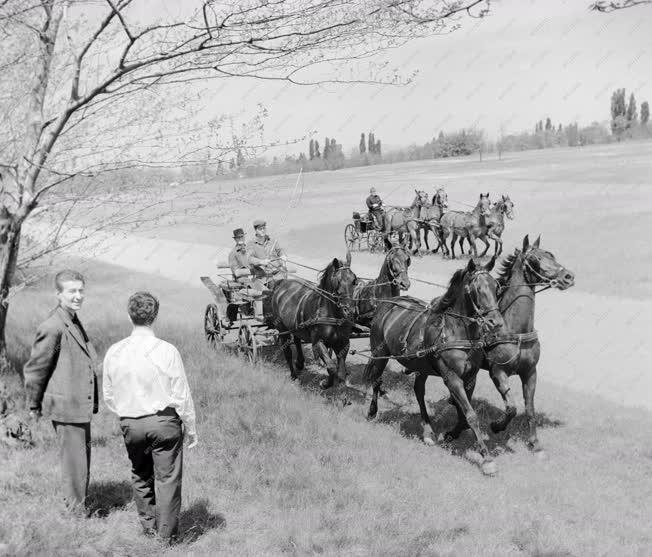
548,124
363,144
631,114
618,111
317,152
645,112
377,147
372,142
327,147
312,149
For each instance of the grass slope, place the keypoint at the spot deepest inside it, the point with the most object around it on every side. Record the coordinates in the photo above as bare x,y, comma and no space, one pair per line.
283,471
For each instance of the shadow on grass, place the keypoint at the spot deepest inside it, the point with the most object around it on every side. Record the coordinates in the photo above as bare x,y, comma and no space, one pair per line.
196,520
104,497
442,414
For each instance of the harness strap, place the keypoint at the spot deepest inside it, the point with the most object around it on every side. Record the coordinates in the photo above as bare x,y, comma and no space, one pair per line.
510,338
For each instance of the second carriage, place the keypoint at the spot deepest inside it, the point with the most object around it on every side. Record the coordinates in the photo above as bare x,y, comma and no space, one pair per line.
362,234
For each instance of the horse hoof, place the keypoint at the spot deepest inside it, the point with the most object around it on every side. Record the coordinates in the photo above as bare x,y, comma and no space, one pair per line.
495,427
346,402
326,383
489,468
428,441
299,365
450,436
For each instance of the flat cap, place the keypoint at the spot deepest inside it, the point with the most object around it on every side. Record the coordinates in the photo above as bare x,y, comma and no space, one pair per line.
259,222
238,233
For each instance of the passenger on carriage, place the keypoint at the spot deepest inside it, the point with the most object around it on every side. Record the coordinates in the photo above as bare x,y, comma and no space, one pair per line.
241,266
375,206
266,258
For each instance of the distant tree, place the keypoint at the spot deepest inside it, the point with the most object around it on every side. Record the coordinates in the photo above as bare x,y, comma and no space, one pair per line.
631,114
540,125
363,144
618,109
372,142
317,152
239,158
548,124
311,149
572,135
377,147
559,128
645,112
232,164
327,147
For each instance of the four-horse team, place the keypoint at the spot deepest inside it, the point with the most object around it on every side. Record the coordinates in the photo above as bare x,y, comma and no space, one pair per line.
480,322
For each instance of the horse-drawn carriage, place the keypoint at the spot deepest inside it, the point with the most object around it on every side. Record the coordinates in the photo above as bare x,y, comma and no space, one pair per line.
363,232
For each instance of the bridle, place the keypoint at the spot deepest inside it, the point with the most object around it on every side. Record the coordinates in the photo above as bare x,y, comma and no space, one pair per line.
480,315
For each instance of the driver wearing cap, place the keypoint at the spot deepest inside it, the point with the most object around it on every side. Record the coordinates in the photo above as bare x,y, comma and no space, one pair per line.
375,206
266,257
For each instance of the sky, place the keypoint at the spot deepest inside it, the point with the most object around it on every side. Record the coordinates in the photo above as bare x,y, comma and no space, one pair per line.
529,59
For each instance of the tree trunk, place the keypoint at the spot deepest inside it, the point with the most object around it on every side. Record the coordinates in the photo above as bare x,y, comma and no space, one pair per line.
8,260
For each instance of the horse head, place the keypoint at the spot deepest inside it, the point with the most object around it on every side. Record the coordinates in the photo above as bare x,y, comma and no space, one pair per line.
340,280
541,267
440,198
480,294
484,204
507,206
397,262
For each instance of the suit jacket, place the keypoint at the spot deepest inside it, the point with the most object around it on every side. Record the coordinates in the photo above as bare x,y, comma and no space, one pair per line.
60,374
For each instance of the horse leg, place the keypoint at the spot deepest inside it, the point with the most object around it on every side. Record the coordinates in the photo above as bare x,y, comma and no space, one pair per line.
474,249
497,242
287,352
319,350
300,362
426,229
457,388
453,240
426,422
342,376
529,381
461,245
374,373
461,424
501,381
486,245
442,242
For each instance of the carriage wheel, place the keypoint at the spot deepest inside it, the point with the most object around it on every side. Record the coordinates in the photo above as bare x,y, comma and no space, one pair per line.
213,325
375,241
247,343
351,238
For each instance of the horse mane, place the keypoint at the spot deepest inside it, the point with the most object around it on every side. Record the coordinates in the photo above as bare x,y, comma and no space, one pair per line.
325,277
506,268
450,297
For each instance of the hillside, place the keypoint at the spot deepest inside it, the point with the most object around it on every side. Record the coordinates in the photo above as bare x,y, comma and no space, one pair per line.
283,470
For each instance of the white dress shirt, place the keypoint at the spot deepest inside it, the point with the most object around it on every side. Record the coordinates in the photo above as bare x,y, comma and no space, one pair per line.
144,374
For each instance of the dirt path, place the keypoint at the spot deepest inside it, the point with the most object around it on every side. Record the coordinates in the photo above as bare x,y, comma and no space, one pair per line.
594,344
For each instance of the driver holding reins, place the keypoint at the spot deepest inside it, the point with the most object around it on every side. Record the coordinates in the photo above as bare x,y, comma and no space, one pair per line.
375,206
266,258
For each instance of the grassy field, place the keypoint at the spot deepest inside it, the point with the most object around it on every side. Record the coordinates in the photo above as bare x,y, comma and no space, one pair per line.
282,469
592,205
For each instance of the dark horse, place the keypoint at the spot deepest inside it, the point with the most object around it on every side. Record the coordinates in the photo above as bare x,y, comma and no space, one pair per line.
517,351
444,338
392,278
321,314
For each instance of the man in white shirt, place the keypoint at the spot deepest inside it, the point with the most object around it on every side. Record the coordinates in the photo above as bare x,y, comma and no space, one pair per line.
145,385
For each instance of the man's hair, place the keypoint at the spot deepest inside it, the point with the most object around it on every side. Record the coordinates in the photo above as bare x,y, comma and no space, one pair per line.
142,308
65,276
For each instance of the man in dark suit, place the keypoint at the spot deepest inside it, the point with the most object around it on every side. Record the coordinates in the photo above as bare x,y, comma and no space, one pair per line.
60,382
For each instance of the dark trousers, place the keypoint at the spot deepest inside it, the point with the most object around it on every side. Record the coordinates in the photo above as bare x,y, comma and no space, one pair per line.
378,216
75,448
155,447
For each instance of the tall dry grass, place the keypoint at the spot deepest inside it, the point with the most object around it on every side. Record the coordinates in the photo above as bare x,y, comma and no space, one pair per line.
283,471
